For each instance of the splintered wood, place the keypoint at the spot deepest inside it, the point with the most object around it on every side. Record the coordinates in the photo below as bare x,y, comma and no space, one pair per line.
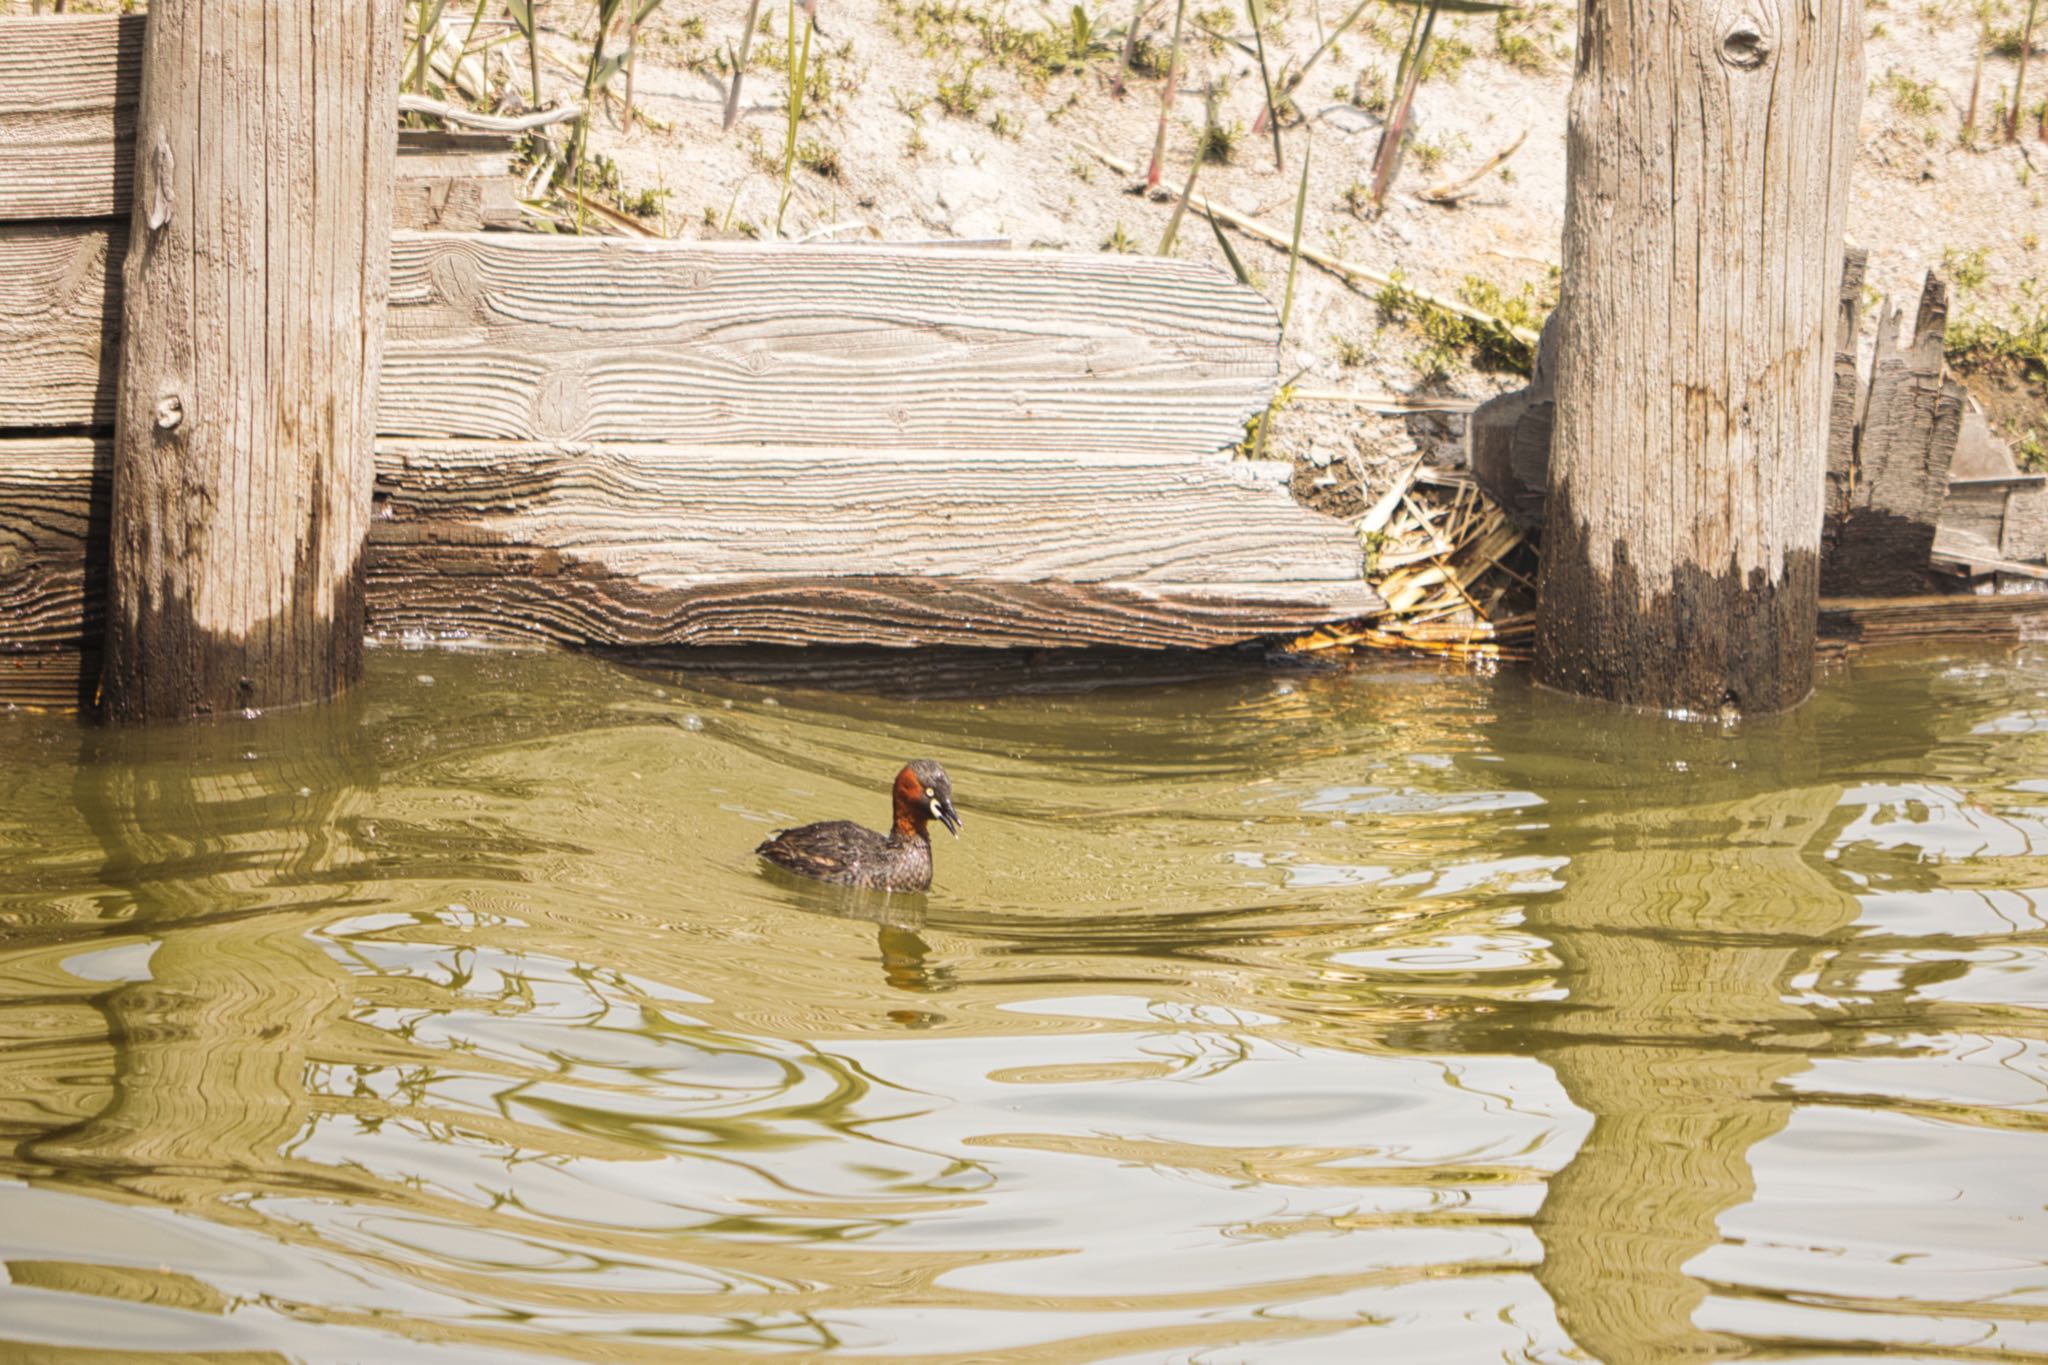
1458,577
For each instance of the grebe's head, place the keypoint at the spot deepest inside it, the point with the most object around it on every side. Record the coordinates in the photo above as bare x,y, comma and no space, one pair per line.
924,786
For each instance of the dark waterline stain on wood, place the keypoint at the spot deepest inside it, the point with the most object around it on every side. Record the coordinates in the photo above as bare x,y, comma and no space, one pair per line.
1706,643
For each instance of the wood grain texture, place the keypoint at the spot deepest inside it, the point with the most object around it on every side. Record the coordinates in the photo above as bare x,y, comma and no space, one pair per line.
1845,409
511,337
68,87
68,91
1959,618
532,338
53,516
455,182
252,324
60,323
1709,149
811,545
1912,419
587,548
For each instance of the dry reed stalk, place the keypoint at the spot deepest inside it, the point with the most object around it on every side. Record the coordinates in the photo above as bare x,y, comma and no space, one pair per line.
1452,191
739,66
1407,79
1441,573
1123,61
1166,100
1385,402
1293,82
1336,265
1976,89
1257,12
1180,208
2019,81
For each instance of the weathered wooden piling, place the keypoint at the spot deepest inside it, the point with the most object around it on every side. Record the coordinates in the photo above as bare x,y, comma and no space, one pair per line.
1710,148
252,324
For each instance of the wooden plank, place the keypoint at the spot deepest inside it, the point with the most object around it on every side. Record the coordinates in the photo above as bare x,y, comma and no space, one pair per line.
455,181
586,544
1911,424
53,557
1959,619
68,91
68,87
1846,407
533,337
641,545
513,337
60,323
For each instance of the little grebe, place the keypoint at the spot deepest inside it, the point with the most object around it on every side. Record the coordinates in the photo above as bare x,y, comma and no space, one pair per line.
843,852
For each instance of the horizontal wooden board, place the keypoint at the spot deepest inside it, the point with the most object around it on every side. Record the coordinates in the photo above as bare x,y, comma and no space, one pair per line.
68,91
542,338
1958,618
675,515
60,323
673,545
68,86
513,337
641,546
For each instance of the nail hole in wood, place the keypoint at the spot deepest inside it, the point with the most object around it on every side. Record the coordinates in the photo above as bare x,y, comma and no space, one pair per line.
1744,46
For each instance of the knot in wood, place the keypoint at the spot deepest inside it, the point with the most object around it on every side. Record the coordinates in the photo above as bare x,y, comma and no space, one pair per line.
1745,43
170,411
161,197
561,403
456,282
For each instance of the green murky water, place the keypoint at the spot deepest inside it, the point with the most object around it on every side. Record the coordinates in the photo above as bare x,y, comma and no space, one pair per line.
1388,1016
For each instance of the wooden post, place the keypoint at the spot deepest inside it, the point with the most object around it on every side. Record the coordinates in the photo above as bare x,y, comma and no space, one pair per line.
252,337
1709,156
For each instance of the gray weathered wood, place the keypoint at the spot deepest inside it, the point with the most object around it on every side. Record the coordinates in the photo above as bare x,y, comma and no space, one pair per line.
455,182
1710,147
818,545
533,338
1960,617
68,86
53,517
1912,418
585,546
60,322
539,337
253,301
1509,438
1846,407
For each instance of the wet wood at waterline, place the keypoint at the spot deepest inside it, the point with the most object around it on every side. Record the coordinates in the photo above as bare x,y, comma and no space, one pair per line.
250,345
583,546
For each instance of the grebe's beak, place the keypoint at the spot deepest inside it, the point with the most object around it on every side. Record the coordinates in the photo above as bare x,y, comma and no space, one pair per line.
942,809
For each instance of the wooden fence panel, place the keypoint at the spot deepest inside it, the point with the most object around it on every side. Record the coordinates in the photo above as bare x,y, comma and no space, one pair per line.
541,338
68,87
659,545
537,338
60,322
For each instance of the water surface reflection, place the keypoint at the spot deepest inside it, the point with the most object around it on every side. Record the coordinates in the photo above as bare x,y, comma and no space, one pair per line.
1274,1017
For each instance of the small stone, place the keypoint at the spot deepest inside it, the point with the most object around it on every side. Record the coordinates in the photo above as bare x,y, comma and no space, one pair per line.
1346,118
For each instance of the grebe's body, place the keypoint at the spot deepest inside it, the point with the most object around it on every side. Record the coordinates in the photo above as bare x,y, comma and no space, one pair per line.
847,854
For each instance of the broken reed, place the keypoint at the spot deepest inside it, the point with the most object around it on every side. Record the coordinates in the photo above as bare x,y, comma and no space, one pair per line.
1256,9
739,65
2019,81
1153,173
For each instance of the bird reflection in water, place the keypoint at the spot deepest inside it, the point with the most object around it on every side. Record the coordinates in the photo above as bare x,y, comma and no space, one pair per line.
899,920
